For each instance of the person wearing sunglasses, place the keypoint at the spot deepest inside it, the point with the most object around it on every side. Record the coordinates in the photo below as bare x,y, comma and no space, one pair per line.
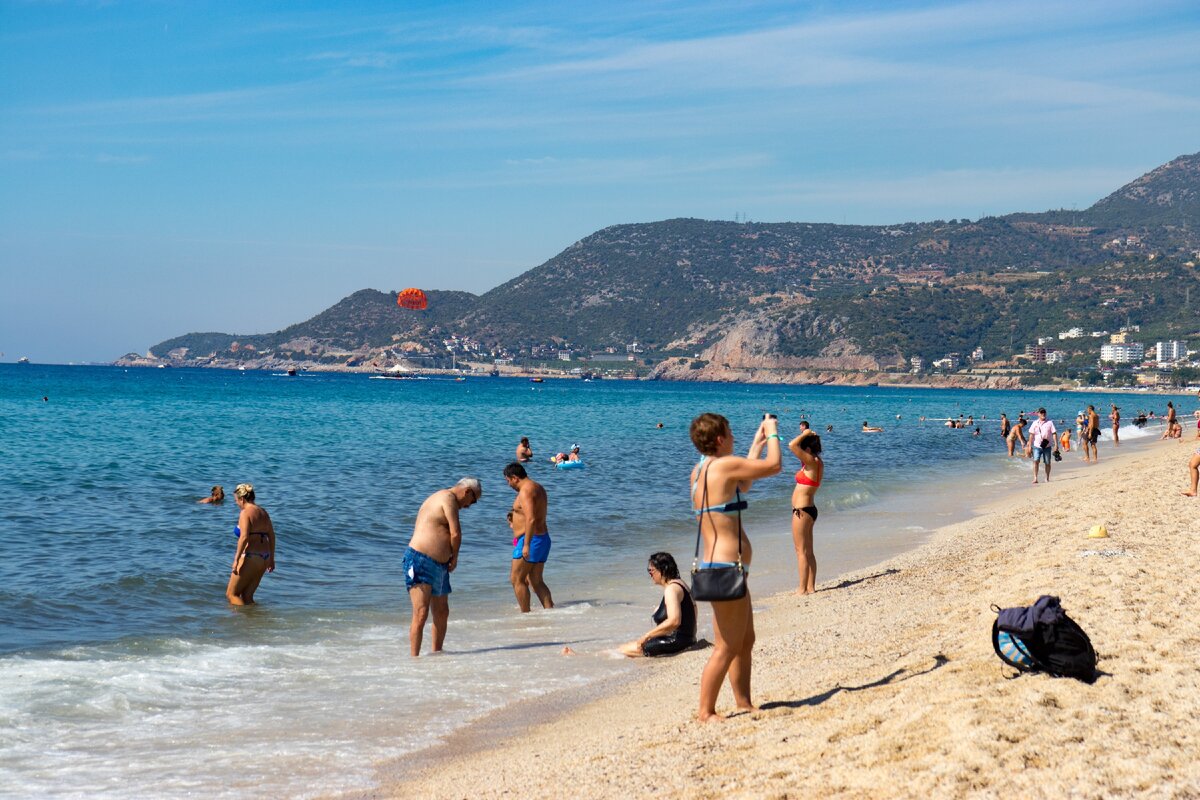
675,620
431,556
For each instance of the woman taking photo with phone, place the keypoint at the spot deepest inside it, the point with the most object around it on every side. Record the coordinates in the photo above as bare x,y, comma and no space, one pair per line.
717,483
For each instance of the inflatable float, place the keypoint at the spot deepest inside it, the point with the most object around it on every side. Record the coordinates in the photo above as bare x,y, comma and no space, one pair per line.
569,465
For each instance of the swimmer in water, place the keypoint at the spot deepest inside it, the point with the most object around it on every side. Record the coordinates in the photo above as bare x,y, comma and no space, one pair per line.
524,451
869,428
216,498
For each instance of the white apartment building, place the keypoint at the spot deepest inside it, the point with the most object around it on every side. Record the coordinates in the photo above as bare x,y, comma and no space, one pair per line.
1073,333
1129,353
1170,352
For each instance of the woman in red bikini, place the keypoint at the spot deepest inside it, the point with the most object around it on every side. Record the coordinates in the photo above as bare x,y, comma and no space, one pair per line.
807,448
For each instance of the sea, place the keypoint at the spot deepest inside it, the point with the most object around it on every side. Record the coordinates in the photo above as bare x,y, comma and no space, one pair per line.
124,672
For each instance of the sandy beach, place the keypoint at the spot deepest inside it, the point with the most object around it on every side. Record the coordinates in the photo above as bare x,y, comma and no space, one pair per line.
884,683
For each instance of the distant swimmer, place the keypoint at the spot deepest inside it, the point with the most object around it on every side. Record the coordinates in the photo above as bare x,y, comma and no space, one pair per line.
531,538
869,428
524,451
254,555
659,425
829,429
431,556
216,497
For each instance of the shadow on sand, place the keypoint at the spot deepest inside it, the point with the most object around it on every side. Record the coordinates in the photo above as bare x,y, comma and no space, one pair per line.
817,699
856,581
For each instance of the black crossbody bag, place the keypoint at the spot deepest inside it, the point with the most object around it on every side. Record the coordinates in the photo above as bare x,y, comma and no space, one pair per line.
717,583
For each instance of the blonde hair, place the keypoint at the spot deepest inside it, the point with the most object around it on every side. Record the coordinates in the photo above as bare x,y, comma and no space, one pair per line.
245,491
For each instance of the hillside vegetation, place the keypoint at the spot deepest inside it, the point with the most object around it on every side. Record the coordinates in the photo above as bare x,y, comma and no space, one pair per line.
797,294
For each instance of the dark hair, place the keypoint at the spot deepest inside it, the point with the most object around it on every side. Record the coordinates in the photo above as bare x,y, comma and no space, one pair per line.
665,564
866,424
705,430
812,444
1041,411
525,441
515,470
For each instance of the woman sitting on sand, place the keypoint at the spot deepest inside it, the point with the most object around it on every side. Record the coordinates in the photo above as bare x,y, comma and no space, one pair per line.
675,619
255,553
216,498
715,481
807,448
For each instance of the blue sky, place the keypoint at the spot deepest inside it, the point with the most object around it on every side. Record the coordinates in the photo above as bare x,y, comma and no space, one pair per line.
168,167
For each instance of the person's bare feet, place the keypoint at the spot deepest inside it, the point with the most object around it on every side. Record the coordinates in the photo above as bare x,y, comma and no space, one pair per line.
713,717
566,651
1188,494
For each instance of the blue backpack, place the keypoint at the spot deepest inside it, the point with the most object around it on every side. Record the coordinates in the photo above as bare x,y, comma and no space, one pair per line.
1042,638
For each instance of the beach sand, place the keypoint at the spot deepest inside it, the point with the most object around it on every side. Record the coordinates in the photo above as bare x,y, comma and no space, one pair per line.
884,683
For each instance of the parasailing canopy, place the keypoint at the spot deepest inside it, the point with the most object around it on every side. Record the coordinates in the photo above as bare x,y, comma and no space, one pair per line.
413,299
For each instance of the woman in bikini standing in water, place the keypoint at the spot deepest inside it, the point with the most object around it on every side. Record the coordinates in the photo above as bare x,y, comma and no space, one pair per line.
715,482
255,553
807,448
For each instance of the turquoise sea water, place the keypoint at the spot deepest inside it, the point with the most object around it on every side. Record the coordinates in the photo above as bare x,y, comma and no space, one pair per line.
124,672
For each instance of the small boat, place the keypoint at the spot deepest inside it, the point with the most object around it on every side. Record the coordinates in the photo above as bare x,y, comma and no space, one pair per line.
22,360
291,372
537,380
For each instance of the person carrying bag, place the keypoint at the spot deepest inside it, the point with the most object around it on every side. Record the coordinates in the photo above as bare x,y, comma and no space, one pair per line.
721,580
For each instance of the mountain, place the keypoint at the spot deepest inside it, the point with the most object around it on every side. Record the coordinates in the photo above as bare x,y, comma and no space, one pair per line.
710,298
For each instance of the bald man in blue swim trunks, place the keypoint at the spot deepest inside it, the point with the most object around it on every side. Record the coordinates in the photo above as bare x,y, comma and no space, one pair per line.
531,542
431,556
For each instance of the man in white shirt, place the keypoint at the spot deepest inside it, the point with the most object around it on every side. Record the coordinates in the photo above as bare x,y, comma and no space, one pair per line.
1040,445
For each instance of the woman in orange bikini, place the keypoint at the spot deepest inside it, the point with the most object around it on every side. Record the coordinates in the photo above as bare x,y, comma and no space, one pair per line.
807,448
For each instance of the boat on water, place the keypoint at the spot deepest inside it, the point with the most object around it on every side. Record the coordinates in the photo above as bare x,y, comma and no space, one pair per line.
291,372
537,380
22,360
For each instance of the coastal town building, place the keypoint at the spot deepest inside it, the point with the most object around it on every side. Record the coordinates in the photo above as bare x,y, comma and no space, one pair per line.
564,355
1129,353
1120,337
1169,352
1072,333
977,354
917,363
1055,357
1037,353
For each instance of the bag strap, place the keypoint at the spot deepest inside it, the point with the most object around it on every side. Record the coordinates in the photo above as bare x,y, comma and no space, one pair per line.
700,522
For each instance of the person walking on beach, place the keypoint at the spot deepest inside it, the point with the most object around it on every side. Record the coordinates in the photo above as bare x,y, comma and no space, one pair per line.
1091,434
531,538
431,556
715,481
1115,416
807,448
524,451
1040,446
255,552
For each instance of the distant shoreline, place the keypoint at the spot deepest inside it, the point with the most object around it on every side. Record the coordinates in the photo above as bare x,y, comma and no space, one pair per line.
766,376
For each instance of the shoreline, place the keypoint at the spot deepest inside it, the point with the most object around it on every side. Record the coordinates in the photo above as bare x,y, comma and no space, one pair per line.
968,381
593,744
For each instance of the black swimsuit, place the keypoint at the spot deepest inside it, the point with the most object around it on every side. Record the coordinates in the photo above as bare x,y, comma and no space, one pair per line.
682,637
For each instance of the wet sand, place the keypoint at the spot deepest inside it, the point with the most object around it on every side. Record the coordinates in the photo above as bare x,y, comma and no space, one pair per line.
884,683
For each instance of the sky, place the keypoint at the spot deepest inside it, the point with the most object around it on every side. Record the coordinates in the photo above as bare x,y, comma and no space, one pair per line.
169,167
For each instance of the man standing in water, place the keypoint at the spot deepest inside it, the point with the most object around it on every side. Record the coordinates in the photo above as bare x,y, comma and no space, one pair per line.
531,546
431,556
1040,445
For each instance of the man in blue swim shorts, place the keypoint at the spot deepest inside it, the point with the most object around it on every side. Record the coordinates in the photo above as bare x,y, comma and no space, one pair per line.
531,542
431,556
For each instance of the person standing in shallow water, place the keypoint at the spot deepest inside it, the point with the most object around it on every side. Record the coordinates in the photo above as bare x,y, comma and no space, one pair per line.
524,451
255,552
531,542
431,556
715,481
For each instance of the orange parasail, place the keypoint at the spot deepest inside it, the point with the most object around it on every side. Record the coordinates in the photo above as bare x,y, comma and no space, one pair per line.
414,299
